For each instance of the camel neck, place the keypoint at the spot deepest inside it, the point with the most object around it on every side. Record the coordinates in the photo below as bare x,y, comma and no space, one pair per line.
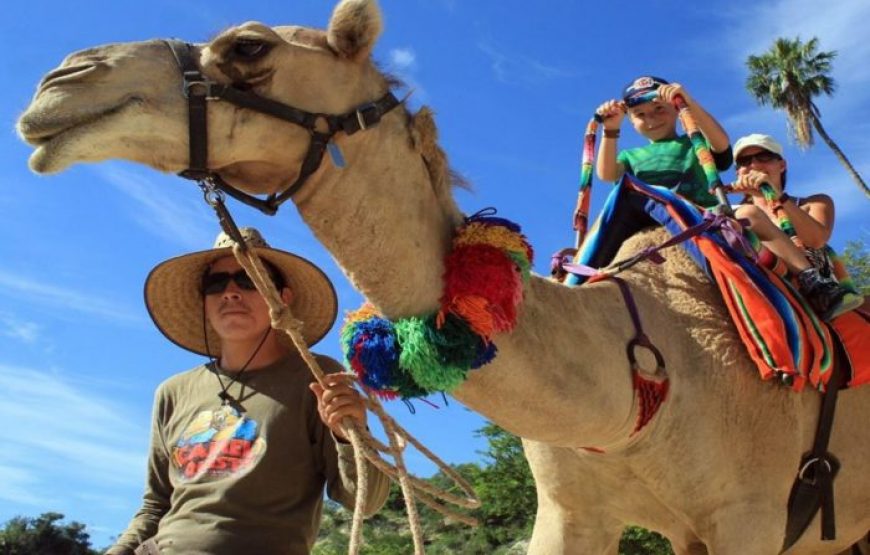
540,387
384,220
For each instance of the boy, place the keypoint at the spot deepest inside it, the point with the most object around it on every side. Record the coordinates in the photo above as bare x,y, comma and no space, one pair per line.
669,160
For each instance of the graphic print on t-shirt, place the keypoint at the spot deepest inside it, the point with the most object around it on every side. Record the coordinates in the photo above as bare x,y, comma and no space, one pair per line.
216,444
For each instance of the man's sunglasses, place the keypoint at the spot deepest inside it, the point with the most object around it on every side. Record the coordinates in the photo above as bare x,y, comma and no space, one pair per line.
217,282
763,157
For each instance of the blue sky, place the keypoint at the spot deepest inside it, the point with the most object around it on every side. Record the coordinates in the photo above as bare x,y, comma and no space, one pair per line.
512,84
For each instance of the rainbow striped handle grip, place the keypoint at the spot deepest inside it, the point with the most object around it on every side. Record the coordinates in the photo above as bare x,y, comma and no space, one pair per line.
705,157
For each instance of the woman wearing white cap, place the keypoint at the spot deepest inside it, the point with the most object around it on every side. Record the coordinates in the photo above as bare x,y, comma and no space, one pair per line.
759,160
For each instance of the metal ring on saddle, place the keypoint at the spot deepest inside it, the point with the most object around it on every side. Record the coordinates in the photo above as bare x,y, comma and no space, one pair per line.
807,466
643,341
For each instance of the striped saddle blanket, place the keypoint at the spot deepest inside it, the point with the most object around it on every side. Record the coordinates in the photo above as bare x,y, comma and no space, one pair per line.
782,335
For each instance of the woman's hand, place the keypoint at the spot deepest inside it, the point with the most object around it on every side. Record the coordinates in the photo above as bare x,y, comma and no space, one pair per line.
749,181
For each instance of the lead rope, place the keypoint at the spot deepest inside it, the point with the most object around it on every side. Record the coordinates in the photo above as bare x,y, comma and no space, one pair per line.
364,444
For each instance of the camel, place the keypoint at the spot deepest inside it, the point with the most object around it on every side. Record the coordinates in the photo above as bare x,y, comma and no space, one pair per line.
711,471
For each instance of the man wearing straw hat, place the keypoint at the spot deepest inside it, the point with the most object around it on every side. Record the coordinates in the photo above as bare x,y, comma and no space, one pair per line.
240,448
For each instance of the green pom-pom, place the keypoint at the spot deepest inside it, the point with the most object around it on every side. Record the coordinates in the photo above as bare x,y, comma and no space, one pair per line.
455,341
405,386
421,358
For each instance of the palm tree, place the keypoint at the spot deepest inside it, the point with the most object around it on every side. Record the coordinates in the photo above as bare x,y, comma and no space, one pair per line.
789,76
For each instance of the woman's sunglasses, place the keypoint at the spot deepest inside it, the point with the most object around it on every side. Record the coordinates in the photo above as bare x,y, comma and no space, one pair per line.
763,157
217,282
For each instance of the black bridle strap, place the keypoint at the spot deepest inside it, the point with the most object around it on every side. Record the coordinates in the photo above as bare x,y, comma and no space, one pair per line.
199,90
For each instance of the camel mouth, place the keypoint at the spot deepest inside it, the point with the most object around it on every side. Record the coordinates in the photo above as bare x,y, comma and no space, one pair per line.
38,130
50,136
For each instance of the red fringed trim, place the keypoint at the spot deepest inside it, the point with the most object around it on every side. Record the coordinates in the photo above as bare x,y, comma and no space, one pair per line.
650,396
482,283
476,311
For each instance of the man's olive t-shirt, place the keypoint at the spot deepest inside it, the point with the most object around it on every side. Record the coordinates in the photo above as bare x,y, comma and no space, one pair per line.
222,480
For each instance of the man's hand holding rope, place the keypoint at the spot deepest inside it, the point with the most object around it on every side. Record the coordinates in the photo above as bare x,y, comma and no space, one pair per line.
337,399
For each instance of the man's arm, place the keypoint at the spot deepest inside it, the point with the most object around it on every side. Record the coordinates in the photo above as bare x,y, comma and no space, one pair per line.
158,489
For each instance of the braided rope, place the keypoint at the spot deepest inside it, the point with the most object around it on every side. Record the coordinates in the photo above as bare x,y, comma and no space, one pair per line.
364,444
584,194
702,152
783,221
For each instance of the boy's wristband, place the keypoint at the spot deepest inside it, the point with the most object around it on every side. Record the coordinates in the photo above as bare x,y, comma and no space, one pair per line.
611,133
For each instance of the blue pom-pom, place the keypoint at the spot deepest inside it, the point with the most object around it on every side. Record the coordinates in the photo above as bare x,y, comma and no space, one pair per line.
485,355
376,351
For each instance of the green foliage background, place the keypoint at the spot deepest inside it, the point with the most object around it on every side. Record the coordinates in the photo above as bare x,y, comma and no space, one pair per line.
44,535
857,261
507,491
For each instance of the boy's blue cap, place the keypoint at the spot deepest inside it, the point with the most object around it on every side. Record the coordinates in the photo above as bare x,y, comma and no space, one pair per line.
643,89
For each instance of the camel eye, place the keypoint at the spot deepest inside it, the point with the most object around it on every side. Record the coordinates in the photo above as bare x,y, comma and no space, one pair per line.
250,49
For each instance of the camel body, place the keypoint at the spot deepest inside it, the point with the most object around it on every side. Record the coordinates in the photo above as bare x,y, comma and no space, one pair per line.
713,469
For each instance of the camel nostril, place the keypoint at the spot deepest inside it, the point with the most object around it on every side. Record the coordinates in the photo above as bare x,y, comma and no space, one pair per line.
68,73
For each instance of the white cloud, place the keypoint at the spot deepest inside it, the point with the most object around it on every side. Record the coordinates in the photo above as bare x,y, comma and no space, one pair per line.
839,26
510,68
402,58
830,177
11,326
402,62
62,298
63,434
179,219
18,485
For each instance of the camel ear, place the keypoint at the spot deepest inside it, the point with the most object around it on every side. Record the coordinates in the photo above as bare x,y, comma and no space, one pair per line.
354,28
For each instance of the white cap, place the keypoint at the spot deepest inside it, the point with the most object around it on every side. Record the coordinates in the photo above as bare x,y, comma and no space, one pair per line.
766,142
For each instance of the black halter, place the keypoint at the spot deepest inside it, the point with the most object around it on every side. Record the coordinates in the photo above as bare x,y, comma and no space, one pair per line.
199,89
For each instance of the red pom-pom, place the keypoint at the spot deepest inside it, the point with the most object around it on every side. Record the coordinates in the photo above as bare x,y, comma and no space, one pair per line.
484,272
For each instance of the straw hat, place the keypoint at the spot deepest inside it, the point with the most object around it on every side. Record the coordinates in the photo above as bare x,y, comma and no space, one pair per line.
174,299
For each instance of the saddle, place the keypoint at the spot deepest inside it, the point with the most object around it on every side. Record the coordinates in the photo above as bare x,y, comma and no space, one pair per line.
781,333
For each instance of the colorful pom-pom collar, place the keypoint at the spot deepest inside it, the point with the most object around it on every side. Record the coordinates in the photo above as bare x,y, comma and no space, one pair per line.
485,270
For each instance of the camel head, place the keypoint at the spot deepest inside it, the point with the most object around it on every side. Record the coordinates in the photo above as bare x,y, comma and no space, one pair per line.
125,100
390,203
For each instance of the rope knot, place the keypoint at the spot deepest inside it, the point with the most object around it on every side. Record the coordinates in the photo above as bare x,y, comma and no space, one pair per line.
282,318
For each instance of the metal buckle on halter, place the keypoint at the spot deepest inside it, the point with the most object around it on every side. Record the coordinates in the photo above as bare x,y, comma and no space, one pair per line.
362,113
210,191
196,79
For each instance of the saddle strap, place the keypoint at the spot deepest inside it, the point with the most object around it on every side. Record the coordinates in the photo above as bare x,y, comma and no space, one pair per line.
813,488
